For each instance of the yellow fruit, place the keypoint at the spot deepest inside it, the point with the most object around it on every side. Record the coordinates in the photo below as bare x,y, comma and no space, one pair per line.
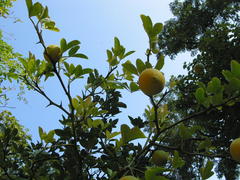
160,157
235,149
151,81
53,53
128,178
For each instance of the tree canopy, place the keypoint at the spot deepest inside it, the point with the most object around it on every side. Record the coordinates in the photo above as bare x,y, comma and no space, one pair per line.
184,130
210,31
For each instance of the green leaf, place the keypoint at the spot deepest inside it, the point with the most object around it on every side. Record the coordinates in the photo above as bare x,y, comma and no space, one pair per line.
66,65
228,75
134,87
148,65
157,28
111,135
160,62
116,43
42,134
75,103
154,173
112,60
184,132
79,55
214,86
50,25
71,69
235,83
130,134
201,85
73,43
73,50
63,45
217,98
206,172
44,13
200,95
63,133
235,68
140,66
147,24
97,122
78,70
178,162
36,9
49,138
130,67
128,54
87,71
204,144
109,54
29,5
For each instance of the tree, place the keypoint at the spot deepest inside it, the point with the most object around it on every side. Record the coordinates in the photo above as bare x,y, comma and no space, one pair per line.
9,64
4,7
209,29
88,146
14,142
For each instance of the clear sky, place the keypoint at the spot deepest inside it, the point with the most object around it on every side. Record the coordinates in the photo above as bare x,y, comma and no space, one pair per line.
95,23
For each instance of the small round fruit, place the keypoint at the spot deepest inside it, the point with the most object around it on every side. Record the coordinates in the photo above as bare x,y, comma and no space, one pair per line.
160,157
199,68
151,81
235,149
53,53
128,178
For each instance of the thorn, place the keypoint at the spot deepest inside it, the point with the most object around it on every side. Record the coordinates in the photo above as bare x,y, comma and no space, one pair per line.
49,104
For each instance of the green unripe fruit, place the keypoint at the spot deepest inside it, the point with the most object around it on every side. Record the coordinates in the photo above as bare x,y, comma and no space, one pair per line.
160,157
53,52
199,68
128,178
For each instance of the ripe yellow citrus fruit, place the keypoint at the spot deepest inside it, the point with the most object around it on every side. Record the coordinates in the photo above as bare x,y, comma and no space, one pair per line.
151,81
235,149
53,53
128,178
160,157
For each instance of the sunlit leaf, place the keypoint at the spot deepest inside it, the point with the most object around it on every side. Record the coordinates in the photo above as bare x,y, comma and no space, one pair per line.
130,134
155,173
130,67
177,162
140,66
147,24
134,87
206,172
160,62
235,68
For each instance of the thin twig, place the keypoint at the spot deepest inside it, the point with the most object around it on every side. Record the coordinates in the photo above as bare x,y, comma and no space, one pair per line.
155,106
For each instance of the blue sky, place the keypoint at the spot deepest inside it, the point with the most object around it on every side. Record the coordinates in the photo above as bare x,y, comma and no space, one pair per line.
95,23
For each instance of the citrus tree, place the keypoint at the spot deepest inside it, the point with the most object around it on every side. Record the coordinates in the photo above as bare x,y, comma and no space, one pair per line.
89,144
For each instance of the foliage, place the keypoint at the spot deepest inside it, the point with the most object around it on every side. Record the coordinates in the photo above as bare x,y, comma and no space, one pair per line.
89,146
4,7
210,30
9,69
9,66
13,145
